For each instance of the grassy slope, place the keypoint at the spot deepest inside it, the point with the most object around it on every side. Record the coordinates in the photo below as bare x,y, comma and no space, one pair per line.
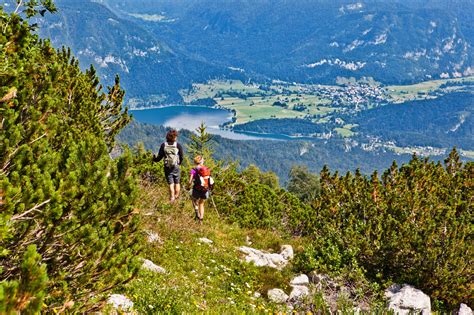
201,277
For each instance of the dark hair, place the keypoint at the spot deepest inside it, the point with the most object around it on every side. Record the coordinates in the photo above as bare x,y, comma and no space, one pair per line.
171,135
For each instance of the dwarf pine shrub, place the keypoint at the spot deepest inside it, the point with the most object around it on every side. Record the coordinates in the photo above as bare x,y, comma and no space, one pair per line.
413,225
68,207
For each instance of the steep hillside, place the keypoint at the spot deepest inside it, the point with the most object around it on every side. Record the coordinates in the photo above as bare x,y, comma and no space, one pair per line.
161,47
309,41
148,67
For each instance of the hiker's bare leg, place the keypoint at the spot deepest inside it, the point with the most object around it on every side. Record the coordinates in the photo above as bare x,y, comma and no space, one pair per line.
196,207
177,190
172,192
201,208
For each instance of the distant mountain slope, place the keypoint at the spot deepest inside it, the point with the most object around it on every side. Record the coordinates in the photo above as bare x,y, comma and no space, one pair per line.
306,41
146,64
443,122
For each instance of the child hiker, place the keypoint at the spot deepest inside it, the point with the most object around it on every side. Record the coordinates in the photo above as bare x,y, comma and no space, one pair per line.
201,181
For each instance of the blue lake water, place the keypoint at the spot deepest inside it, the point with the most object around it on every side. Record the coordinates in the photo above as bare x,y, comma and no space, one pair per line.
190,117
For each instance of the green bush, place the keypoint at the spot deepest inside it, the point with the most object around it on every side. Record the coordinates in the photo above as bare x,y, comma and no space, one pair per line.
258,206
412,225
63,192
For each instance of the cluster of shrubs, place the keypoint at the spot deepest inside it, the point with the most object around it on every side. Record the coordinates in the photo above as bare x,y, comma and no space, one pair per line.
412,224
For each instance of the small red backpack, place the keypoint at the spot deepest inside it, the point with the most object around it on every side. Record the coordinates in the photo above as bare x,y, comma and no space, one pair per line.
203,180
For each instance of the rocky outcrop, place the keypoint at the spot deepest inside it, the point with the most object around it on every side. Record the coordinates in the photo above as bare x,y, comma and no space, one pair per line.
261,258
406,299
298,293
287,252
277,296
300,280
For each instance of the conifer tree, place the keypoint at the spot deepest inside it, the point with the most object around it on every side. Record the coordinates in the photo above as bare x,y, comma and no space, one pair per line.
62,191
303,184
201,143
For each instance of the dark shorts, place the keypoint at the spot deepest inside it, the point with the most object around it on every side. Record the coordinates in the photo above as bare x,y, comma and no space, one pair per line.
197,194
173,175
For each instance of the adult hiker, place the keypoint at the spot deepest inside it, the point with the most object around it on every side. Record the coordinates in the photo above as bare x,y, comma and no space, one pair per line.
172,154
202,182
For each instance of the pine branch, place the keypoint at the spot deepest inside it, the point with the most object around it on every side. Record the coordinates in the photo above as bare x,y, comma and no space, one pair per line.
35,208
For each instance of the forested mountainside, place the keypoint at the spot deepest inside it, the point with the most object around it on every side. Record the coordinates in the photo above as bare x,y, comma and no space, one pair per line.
392,41
442,122
116,45
161,47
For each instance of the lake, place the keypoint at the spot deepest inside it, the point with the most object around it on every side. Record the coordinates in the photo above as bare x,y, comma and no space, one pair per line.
190,117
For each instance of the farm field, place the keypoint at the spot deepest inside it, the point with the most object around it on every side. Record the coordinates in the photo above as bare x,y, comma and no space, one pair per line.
316,103
422,90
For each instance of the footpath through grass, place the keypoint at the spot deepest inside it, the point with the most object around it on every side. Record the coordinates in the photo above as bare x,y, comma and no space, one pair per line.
201,277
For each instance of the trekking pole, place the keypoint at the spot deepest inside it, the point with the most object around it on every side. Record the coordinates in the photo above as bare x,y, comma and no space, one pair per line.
214,204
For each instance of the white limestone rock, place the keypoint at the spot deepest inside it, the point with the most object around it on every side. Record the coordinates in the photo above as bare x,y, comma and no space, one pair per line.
149,265
406,299
298,293
300,280
287,252
277,296
205,240
120,302
464,310
261,258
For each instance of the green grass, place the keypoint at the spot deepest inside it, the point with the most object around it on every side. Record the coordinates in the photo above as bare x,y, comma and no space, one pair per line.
344,132
418,91
201,277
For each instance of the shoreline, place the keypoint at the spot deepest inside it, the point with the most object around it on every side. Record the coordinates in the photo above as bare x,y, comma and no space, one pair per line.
223,127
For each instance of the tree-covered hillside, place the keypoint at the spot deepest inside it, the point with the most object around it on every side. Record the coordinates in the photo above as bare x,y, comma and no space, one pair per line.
316,41
442,122
147,65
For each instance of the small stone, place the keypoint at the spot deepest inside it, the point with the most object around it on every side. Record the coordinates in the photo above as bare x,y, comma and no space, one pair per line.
300,280
120,302
149,265
464,310
299,292
277,296
248,241
256,295
205,240
407,299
